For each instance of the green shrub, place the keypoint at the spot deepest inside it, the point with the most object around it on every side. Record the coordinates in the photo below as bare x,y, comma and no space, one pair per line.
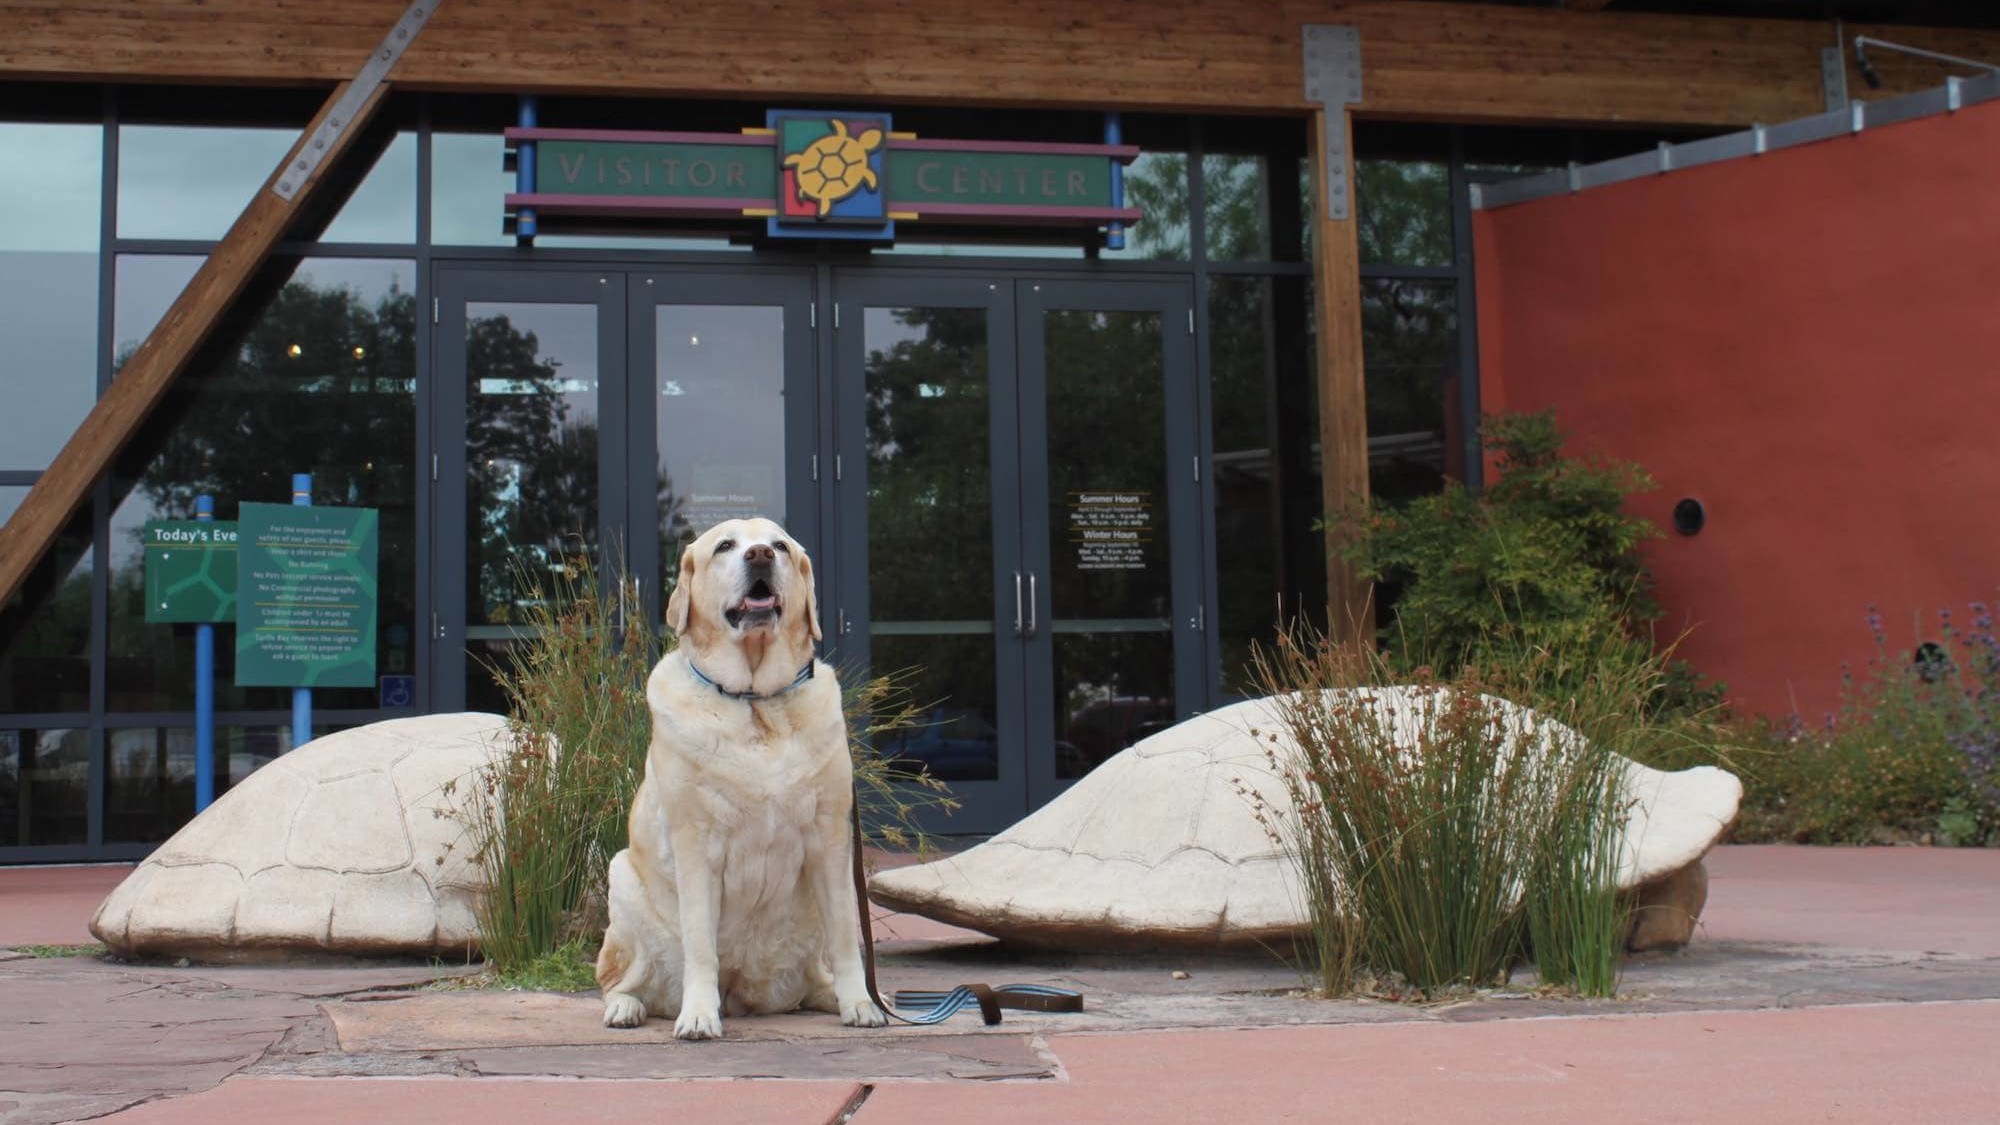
1906,755
1546,557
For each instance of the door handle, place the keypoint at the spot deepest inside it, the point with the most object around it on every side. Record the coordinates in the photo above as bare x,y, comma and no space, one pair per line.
1017,603
1031,603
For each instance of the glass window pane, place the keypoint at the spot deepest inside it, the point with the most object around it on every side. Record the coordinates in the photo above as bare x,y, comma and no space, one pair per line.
149,776
149,784
1236,208
930,512
720,417
44,787
1107,438
49,221
468,189
1271,563
324,381
1097,715
383,207
1405,212
143,289
957,738
1157,184
930,506
532,413
45,631
1410,351
1110,590
183,182
177,181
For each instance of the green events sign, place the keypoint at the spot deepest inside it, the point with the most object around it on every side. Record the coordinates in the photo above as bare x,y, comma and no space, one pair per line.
190,570
307,614
817,175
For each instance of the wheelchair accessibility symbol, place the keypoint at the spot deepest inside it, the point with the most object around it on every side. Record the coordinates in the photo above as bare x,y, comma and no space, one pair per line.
398,691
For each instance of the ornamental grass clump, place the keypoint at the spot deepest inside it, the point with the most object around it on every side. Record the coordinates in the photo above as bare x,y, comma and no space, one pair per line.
1442,832
546,819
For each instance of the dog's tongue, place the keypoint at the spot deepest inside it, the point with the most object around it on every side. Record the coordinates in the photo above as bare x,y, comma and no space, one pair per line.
751,603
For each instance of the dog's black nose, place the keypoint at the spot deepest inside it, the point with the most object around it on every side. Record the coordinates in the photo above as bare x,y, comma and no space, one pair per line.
759,554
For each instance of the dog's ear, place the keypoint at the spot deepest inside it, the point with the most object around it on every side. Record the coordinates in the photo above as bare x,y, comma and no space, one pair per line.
683,595
812,595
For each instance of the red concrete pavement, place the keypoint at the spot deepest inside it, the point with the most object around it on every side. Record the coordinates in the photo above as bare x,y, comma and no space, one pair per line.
494,1101
1909,1062
1901,1062
53,905
1920,900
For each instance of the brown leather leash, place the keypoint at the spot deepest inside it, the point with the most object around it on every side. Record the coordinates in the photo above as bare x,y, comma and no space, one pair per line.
941,1005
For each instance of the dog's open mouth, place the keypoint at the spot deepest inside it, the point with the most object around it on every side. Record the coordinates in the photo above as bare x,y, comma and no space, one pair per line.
760,604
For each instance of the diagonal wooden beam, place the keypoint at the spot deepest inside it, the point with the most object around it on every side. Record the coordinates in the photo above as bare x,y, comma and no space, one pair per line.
139,386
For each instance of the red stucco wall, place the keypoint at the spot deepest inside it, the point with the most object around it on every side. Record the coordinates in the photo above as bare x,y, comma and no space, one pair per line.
1807,341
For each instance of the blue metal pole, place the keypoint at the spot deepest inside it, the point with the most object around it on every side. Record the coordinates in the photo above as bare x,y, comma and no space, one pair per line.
302,697
1114,134
524,171
204,689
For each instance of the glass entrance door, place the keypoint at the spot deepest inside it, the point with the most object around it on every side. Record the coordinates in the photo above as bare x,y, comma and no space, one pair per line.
997,478
1019,522
723,402
530,456
607,415
1110,521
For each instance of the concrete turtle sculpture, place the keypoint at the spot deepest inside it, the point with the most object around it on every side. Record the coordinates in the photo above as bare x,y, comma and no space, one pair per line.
349,844
1160,847
835,166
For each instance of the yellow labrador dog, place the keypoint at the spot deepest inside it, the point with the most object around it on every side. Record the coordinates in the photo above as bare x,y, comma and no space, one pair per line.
735,893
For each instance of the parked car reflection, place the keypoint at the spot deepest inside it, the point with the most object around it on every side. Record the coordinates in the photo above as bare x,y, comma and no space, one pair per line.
1097,730
953,743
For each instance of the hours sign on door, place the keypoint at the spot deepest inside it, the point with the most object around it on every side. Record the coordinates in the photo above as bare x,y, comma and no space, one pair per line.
1111,530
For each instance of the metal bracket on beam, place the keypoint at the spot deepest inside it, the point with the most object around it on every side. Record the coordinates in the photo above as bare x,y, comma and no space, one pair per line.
1333,82
358,92
1833,77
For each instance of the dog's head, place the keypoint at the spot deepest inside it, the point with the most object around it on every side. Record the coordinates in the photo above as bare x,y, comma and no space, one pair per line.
747,581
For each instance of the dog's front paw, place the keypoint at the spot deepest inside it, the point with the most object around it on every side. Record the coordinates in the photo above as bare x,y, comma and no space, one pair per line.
698,1021
621,1010
860,1011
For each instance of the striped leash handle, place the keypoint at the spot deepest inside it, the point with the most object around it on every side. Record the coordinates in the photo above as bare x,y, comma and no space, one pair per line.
941,1006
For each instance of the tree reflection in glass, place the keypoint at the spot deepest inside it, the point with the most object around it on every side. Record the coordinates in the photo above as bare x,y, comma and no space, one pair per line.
930,530
531,449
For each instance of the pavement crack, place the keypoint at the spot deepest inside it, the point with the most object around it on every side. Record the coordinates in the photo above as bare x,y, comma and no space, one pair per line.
846,1112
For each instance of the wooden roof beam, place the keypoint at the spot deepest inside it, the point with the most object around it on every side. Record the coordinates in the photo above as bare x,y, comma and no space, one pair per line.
1437,61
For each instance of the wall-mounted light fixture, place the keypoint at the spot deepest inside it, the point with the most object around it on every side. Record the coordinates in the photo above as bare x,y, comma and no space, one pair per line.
1874,80
1689,516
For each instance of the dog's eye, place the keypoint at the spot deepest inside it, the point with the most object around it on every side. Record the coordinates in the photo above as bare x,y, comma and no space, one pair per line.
725,545
783,546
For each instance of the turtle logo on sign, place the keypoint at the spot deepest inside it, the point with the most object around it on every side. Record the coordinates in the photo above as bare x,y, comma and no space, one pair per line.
832,168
